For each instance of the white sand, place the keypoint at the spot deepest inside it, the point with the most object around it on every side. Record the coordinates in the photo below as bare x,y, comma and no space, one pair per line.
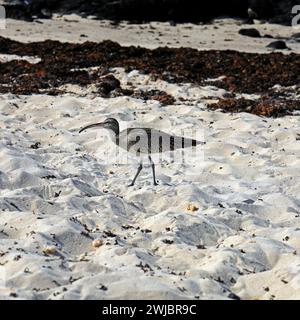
57,199
10,57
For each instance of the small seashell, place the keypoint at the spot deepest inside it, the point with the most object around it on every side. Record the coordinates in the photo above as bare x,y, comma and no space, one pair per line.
49,250
97,243
192,208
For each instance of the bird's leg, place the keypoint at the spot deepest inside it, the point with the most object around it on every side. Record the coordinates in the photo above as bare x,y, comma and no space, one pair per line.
137,174
153,171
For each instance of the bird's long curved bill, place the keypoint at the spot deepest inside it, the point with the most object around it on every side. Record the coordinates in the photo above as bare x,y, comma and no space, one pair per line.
91,126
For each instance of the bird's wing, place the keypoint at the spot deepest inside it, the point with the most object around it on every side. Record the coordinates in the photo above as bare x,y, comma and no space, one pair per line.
136,140
168,142
147,140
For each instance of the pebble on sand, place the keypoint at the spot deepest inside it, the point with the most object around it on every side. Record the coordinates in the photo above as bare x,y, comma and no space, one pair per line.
97,243
192,208
49,250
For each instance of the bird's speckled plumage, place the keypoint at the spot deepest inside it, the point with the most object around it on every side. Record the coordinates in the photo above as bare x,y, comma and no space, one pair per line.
143,140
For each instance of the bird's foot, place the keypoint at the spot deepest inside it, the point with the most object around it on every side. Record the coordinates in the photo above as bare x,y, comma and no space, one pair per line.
155,183
131,184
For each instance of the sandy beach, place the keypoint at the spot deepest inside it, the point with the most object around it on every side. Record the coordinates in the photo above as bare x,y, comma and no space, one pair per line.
222,34
225,227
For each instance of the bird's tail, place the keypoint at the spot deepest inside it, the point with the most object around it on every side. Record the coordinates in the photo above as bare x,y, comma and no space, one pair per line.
197,142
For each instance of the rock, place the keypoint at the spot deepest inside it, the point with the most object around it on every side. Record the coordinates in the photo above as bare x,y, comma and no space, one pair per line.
108,84
254,33
278,45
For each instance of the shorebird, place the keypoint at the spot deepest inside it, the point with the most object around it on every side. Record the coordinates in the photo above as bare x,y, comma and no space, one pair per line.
143,141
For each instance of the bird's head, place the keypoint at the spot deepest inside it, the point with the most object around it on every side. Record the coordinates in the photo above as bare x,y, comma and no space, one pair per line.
110,124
